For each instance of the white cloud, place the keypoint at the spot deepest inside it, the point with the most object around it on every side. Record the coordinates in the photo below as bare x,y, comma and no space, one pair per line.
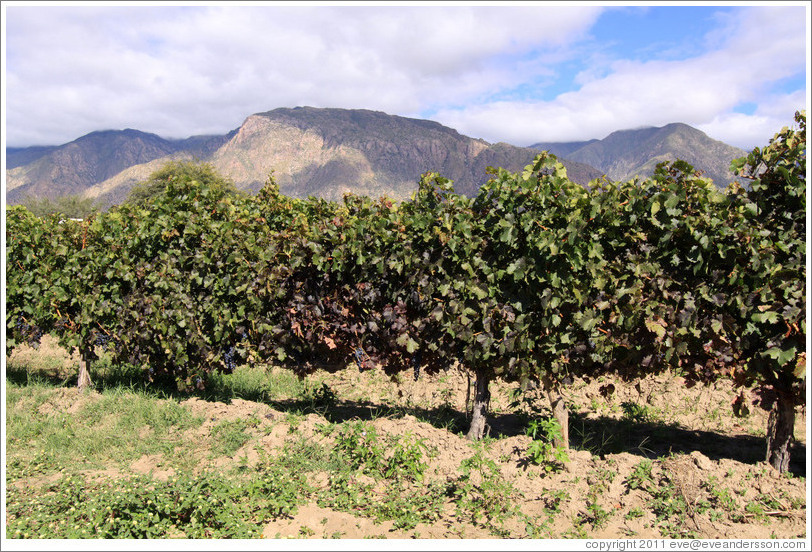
764,47
748,131
178,71
182,71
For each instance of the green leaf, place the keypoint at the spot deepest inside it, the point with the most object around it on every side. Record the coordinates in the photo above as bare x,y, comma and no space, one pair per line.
479,292
781,356
656,326
517,268
671,202
771,317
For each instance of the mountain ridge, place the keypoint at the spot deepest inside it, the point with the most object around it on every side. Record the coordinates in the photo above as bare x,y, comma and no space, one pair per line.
625,154
324,152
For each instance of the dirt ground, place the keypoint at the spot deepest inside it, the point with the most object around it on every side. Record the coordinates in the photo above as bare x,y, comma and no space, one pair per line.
692,439
698,450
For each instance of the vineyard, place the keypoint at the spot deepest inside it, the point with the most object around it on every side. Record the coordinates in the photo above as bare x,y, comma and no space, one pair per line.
536,282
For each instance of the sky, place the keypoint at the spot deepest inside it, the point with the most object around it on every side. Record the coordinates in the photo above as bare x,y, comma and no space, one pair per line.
516,72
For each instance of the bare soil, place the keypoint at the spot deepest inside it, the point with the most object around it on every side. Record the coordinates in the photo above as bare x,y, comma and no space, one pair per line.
692,439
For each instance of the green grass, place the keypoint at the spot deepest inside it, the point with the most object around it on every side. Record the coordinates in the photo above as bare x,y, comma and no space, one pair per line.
66,434
207,505
116,428
229,436
255,384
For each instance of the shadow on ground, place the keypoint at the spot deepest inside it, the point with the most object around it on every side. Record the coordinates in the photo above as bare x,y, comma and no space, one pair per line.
600,436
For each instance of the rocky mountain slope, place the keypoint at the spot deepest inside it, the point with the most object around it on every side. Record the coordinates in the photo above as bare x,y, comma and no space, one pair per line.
628,153
310,151
73,168
328,152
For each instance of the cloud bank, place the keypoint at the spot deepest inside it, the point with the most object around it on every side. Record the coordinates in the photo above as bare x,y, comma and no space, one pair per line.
517,73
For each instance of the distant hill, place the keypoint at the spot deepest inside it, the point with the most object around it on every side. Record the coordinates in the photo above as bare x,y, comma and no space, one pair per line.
68,169
311,151
628,153
17,157
73,168
328,152
561,148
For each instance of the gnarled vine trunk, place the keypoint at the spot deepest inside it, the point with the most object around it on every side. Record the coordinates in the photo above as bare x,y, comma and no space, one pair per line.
560,413
482,399
84,372
781,431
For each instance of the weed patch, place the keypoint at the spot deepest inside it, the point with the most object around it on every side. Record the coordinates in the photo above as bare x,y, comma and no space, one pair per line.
542,451
229,436
204,506
482,493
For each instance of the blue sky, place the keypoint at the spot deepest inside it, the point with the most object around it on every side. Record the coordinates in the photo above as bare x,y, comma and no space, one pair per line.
520,72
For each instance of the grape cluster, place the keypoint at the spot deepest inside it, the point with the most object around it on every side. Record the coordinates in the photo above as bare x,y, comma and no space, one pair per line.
102,340
362,359
229,358
416,361
31,333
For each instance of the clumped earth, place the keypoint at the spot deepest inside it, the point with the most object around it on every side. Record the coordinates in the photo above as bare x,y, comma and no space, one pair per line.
648,459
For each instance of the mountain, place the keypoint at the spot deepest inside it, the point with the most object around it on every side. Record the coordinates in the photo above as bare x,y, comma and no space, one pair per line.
310,151
561,148
69,169
72,168
327,152
17,157
628,153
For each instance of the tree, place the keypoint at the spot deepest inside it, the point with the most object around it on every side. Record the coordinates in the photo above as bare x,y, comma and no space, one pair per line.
142,194
537,266
183,270
710,283
70,206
